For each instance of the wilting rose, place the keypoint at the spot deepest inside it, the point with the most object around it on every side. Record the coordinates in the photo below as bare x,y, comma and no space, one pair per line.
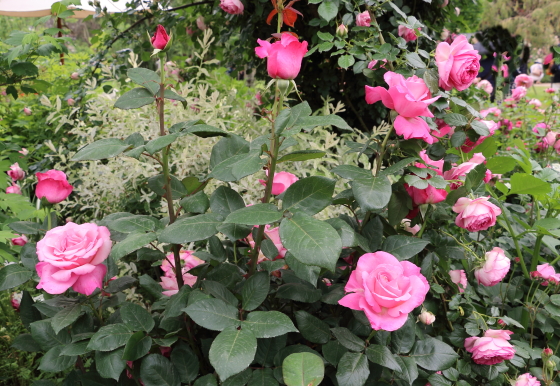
281,182
475,215
523,80
169,280
160,38
363,19
21,240
485,86
16,173
426,317
518,93
386,289
233,7
527,380
459,277
492,348
458,64
407,34
72,256
284,56
14,189
53,186
494,269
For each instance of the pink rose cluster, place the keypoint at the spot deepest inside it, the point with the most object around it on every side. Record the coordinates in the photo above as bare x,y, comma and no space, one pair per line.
72,256
280,182
492,348
386,289
458,64
546,274
475,215
169,278
494,268
284,56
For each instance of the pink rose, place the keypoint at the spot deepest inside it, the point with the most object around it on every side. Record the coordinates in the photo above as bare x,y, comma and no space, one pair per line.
492,110
284,56
550,90
71,256
281,182
518,93
53,186
27,111
544,271
537,128
24,151
485,86
475,215
233,7
430,195
16,173
506,125
469,145
410,98
523,80
505,70
21,240
14,189
160,38
363,19
407,34
527,380
557,146
374,62
492,348
442,130
71,102
386,289
510,102
274,236
535,102
75,76
494,269
457,173
459,277
169,280
458,64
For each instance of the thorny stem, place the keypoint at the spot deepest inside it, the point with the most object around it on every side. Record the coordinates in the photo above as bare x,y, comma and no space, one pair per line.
382,149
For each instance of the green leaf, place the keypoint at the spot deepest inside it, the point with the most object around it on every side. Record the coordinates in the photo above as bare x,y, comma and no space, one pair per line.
396,167
258,214
25,227
312,328
268,324
102,149
53,362
328,10
480,128
138,345
311,241
522,183
333,351
145,78
305,272
454,119
204,131
325,36
458,139
403,247
110,337
219,291
185,361
403,339
134,99
159,143
206,380
232,351
345,231
135,223
372,193
351,172
110,364
438,380
77,348
44,335
197,203
132,242
158,371
353,370
409,371
431,78
13,275
237,167
157,185
225,200
213,314
120,284
66,317
310,195
433,354
303,369
346,338
346,61
255,290
137,318
25,342
228,147
191,229
414,60
319,120
299,292
302,155
176,303
382,356
169,94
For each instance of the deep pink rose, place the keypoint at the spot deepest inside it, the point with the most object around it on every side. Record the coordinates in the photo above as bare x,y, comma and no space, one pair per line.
273,234
537,128
494,269
284,56
71,256
505,70
475,215
363,19
160,38
281,182
233,7
21,240
458,64
407,34
506,125
14,189
410,98
459,277
16,173
550,90
15,299
386,289
430,195
169,280
523,80
518,93
527,380
492,348
53,186
485,86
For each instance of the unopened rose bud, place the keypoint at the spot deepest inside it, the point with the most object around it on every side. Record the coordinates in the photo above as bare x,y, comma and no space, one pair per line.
27,111
517,260
342,31
161,39
501,322
550,364
426,317
71,102
200,23
75,76
21,240
16,173
547,353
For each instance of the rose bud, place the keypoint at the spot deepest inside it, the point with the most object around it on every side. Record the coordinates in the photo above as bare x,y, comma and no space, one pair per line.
501,323
284,56
27,111
70,102
75,76
160,40
546,353
407,34
341,31
24,151
14,189
21,240
16,173
426,317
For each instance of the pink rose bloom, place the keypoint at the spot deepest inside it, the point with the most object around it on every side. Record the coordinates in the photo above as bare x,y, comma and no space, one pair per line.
523,80
160,38
24,151
169,280
27,111
458,64
410,98
281,182
407,34
71,256
233,7
386,289
492,348
535,102
16,173
527,380
495,268
274,236
544,271
284,56
75,76
442,130
430,195
21,240
485,86
363,19
549,139
475,215
537,128
518,124
53,186
550,90
458,172
374,62
459,277
518,93
14,189
492,110
505,70
71,102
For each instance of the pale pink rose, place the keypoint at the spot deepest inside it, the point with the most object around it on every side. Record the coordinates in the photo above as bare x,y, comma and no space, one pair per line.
518,93
71,102
53,186
363,19
16,173
527,380
407,34
426,317
24,151
485,86
492,110
495,268
75,76
233,7
550,90
14,189
169,280
281,182
27,111
544,271
549,139
284,56
459,277
475,215
21,240
458,64
273,234
410,98
72,256
406,226
386,289
492,348
200,23
523,80
535,102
